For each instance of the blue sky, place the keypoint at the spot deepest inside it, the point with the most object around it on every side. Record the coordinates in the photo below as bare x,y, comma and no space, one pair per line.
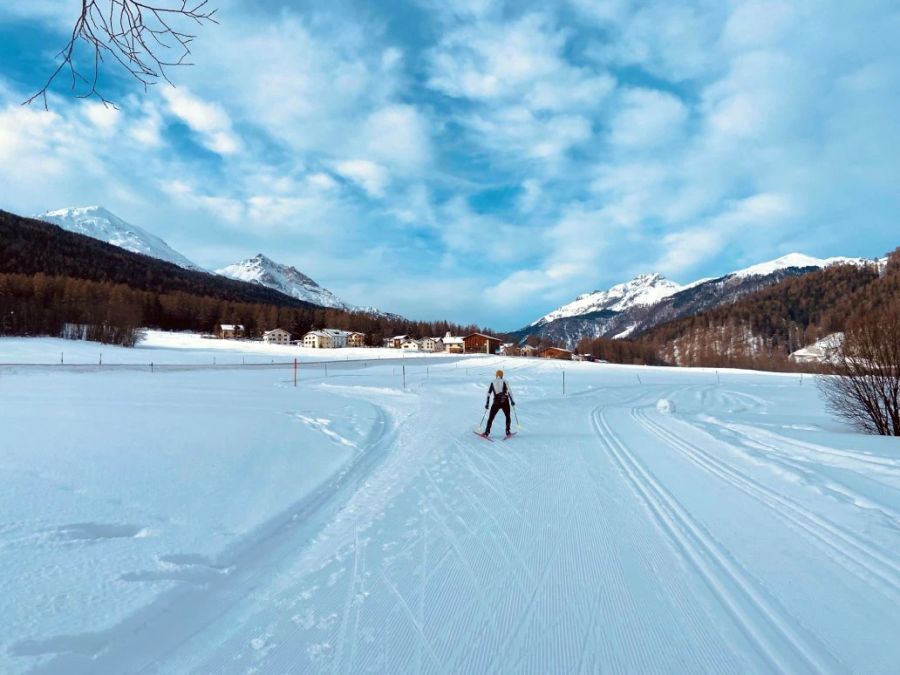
481,161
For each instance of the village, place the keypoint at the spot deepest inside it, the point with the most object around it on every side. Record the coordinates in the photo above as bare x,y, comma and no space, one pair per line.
334,338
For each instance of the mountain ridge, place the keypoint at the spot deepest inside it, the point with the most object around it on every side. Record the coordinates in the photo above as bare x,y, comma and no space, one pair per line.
99,223
262,270
649,300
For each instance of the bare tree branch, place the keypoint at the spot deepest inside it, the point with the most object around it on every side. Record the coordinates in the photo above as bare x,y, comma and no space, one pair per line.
864,385
144,38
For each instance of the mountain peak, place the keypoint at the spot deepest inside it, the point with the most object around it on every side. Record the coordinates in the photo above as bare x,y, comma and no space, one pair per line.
99,223
644,289
286,279
795,260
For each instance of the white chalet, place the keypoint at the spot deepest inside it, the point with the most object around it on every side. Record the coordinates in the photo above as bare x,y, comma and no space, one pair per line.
411,346
332,338
317,339
431,344
454,345
277,336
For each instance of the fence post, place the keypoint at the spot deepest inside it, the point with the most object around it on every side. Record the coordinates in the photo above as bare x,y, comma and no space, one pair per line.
639,378
564,382
295,371
404,377
151,366
101,359
326,369
60,358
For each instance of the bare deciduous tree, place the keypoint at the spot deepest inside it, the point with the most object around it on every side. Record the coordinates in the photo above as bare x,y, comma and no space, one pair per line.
145,38
864,382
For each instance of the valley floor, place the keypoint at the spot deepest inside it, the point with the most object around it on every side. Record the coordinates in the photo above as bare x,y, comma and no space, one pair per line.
228,522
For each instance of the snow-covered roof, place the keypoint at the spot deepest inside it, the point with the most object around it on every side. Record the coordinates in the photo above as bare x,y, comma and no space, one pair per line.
448,340
232,326
276,330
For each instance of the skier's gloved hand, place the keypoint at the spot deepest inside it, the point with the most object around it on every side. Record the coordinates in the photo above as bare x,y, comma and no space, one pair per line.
485,406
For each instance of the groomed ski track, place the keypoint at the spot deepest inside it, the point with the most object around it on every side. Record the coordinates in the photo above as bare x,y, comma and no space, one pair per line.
607,536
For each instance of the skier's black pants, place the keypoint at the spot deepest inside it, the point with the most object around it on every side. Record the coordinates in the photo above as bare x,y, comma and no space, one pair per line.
498,405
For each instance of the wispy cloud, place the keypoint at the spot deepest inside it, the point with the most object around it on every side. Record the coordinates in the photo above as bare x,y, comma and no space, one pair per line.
486,160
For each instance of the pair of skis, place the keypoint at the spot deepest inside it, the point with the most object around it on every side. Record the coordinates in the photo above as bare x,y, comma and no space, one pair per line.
488,438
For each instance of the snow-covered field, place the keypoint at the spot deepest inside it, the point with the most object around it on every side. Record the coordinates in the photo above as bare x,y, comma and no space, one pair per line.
160,347
224,521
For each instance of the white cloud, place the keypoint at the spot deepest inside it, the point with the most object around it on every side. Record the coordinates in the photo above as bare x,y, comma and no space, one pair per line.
104,117
371,177
398,135
208,120
648,119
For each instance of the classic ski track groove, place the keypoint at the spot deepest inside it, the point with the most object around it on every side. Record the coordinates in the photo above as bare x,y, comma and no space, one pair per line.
770,631
776,456
866,558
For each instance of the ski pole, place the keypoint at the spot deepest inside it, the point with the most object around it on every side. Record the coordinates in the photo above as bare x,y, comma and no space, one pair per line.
481,423
518,426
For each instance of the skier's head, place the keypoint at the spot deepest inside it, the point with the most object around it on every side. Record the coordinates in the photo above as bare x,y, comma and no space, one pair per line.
499,373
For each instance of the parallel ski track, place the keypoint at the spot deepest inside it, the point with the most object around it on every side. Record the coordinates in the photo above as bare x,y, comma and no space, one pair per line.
772,451
766,625
866,562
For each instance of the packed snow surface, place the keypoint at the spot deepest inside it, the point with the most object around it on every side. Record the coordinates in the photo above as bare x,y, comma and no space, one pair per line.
97,222
288,280
223,521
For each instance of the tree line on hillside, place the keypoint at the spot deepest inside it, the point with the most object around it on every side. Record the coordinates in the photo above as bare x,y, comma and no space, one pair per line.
40,304
29,246
761,330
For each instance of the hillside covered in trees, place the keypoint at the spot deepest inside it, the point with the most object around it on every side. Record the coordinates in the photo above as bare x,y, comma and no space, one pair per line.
59,283
762,329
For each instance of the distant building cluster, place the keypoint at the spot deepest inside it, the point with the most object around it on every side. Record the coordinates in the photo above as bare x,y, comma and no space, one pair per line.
326,338
476,343
334,338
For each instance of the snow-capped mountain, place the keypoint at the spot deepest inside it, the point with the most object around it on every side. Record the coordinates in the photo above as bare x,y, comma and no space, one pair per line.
645,289
797,261
288,280
98,223
650,300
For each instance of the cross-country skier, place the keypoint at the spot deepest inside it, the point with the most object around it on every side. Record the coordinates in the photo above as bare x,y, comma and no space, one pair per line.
502,398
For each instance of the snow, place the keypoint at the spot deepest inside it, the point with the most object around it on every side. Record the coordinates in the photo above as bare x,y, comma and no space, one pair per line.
645,289
821,350
283,278
162,347
798,260
665,406
649,289
98,223
225,521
